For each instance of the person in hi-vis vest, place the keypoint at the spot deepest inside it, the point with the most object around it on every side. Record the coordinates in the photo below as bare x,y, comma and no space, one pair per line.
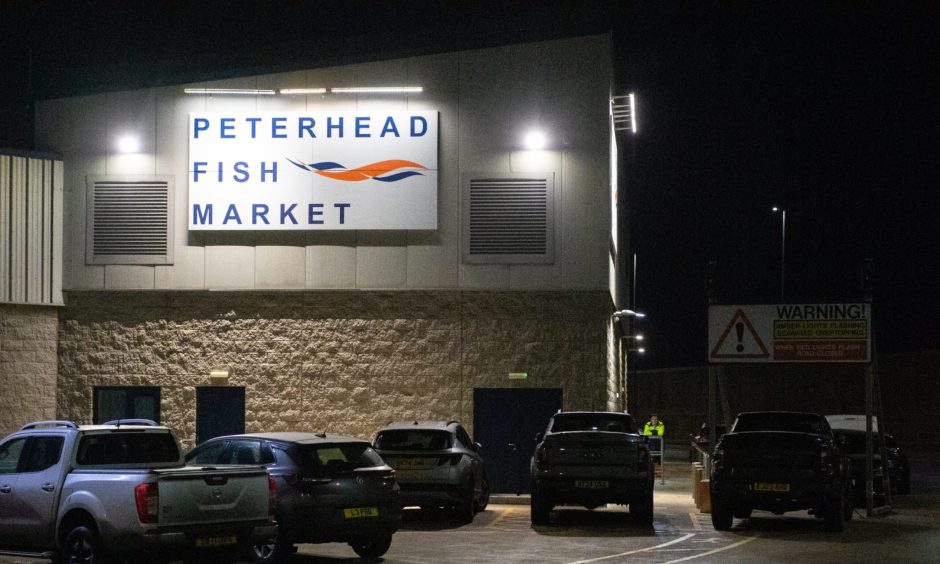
654,427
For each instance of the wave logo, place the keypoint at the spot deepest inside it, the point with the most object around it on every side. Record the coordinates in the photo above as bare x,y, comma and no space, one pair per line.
383,171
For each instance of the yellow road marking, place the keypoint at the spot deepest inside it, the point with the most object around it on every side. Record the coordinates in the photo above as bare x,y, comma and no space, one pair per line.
717,550
502,516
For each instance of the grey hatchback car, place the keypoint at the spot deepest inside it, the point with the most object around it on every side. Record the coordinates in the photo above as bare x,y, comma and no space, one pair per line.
329,489
437,465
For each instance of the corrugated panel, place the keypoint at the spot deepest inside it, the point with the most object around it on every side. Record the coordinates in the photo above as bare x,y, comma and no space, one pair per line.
129,222
29,256
509,219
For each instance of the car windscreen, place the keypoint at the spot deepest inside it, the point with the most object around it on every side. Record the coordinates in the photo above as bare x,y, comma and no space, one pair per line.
336,457
414,439
127,448
854,443
792,422
610,422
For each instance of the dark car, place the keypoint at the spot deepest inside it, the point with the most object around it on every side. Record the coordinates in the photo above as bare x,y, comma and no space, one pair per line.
780,461
852,444
329,489
701,442
438,465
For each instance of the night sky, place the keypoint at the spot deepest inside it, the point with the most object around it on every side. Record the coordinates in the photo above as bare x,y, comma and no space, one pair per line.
828,110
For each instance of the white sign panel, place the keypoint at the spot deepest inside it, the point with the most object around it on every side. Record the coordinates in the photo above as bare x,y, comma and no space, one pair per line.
789,333
312,170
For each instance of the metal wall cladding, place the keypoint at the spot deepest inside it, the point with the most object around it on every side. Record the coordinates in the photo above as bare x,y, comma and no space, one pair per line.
30,229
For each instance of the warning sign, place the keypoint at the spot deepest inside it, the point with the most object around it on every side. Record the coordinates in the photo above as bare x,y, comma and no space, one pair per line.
789,333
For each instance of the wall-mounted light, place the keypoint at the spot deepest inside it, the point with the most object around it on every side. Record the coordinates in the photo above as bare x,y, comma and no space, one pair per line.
219,376
231,91
378,90
299,91
128,144
535,140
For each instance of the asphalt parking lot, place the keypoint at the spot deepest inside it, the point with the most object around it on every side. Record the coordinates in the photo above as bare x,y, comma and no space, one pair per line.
503,533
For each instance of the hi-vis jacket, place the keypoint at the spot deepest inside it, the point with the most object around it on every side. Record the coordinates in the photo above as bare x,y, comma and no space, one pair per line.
654,430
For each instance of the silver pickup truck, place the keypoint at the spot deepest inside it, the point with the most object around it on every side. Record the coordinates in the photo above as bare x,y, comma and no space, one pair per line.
107,493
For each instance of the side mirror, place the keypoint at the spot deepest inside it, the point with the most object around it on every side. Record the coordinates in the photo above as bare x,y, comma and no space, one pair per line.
539,437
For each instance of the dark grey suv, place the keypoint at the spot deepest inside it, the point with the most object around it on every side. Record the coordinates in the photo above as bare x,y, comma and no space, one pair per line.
438,465
329,489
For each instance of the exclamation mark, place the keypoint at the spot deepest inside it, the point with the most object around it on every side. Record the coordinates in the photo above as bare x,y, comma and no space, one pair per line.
739,329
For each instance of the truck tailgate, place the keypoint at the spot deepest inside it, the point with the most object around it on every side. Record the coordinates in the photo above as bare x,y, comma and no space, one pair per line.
192,495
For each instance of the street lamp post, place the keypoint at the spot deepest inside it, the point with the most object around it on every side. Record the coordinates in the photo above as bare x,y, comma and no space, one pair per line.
783,245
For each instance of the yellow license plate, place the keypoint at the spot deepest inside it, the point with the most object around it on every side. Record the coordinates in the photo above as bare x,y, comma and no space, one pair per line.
771,487
360,512
209,542
591,484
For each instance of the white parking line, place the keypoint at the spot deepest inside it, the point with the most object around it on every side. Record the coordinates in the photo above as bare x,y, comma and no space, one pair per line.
710,552
695,524
647,549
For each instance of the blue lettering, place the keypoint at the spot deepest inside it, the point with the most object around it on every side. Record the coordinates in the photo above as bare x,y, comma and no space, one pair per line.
254,125
232,215
390,127
424,126
330,126
199,168
306,124
362,126
202,216
259,211
199,124
342,212
272,170
288,212
314,210
228,124
219,172
278,125
241,172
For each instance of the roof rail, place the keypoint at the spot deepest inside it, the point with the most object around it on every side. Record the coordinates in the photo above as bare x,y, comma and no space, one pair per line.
145,422
49,423
451,421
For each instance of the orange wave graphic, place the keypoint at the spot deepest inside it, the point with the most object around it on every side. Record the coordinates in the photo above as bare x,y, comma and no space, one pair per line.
368,171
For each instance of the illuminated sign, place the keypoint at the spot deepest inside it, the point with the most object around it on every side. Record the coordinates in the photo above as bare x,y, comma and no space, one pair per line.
312,170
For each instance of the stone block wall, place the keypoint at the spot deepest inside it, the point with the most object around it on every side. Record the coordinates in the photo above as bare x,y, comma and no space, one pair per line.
341,361
27,365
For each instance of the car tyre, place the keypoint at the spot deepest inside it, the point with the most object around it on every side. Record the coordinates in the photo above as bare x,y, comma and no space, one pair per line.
541,509
272,551
83,546
722,513
484,495
641,509
372,547
834,515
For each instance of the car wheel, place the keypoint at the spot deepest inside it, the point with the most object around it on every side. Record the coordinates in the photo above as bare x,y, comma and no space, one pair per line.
271,551
541,509
722,513
466,509
641,509
372,547
82,546
484,495
834,515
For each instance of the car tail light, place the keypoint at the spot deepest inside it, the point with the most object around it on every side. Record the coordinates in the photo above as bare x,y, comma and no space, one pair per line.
540,458
147,498
388,477
452,459
642,457
272,494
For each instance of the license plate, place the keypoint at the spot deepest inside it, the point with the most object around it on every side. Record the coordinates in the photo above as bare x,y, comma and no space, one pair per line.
771,487
591,484
412,463
360,512
208,542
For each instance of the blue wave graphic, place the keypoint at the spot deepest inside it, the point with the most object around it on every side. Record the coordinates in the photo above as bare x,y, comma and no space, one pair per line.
396,177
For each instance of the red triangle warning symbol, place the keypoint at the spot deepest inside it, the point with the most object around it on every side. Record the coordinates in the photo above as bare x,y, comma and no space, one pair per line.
739,340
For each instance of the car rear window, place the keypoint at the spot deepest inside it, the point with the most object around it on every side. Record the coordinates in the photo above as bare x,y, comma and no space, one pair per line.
793,422
127,448
337,456
609,422
414,440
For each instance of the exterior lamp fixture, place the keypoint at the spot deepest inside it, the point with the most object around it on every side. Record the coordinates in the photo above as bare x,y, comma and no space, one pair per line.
128,144
535,140
783,244
626,313
378,90
231,91
298,91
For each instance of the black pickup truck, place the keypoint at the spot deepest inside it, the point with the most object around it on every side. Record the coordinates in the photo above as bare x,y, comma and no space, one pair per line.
779,461
591,458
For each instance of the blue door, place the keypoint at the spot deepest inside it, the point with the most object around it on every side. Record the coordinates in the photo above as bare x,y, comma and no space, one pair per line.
219,411
505,422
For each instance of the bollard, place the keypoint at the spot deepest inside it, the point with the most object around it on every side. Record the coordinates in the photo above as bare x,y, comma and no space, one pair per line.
706,496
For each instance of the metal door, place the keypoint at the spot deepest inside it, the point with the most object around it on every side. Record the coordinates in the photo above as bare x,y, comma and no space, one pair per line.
505,422
219,411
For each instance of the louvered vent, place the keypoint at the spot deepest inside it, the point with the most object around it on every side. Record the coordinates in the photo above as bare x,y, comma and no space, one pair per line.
129,221
509,219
